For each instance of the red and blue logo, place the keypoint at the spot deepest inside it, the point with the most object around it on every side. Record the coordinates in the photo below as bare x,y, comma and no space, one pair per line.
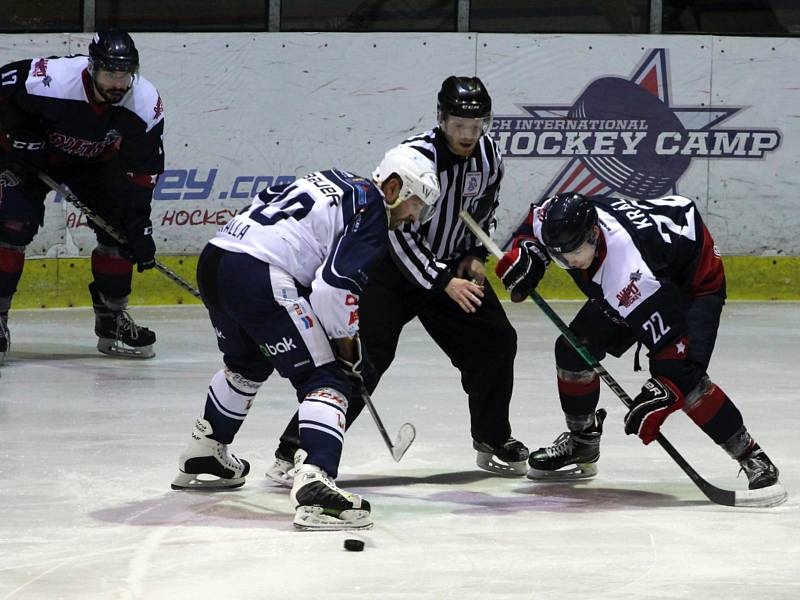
623,136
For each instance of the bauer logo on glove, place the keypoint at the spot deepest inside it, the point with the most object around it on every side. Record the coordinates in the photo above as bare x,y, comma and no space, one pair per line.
657,400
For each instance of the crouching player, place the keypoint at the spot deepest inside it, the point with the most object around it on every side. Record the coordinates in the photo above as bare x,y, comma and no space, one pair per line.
281,283
653,276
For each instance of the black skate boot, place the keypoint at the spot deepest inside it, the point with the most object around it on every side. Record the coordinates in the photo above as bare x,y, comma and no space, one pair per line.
320,504
762,474
572,456
507,460
5,336
207,465
118,335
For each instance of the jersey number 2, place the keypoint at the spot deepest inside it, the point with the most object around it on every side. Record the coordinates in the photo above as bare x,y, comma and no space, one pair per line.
655,325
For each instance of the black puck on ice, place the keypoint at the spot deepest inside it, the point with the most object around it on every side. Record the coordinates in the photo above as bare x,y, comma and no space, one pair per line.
353,545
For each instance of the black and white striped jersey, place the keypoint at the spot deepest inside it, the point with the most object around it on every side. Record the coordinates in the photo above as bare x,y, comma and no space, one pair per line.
421,251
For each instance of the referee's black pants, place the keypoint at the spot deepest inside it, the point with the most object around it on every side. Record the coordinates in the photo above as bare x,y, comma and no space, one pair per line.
481,345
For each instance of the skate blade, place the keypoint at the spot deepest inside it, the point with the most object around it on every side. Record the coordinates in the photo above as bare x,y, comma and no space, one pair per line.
767,497
573,473
191,481
489,462
119,350
313,518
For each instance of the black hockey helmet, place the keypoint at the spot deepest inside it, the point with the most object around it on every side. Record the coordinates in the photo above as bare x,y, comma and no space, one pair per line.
568,222
113,50
464,97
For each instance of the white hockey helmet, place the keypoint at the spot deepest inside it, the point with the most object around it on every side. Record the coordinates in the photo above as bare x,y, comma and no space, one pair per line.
418,174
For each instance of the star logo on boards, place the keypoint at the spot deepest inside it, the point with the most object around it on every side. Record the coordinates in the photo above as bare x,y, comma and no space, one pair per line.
623,135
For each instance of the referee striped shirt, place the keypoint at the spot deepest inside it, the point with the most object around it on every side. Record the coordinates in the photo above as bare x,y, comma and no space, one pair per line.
421,251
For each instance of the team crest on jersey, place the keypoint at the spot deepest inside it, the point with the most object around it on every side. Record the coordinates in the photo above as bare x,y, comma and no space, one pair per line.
630,293
39,68
158,109
472,183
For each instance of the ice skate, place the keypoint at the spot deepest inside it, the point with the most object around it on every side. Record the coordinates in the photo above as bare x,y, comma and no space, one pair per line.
321,505
762,476
281,471
206,464
507,460
5,336
117,333
572,456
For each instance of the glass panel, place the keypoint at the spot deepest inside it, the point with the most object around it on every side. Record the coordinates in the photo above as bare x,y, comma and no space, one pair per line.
182,15
30,16
747,17
368,15
560,16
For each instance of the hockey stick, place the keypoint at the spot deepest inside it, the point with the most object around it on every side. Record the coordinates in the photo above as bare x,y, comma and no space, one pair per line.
405,437
110,230
713,493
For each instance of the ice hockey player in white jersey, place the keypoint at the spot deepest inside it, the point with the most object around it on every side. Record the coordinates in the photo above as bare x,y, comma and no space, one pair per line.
281,282
653,275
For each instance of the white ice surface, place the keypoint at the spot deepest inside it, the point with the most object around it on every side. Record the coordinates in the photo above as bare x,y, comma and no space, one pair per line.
88,447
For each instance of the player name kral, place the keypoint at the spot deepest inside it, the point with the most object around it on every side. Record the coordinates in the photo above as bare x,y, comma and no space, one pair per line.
550,142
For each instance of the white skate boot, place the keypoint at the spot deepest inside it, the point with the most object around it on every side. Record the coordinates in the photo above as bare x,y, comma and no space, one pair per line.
320,505
206,464
281,471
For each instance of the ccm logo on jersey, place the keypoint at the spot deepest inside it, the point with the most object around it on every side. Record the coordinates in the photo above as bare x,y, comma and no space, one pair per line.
283,346
22,145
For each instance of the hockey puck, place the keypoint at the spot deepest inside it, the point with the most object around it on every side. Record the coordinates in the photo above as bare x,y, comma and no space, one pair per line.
353,545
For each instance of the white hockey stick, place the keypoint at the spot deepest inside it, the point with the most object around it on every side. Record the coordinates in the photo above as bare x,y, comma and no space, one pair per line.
771,496
405,437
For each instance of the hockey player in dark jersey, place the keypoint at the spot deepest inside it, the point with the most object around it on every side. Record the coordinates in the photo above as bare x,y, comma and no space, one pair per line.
282,283
96,125
653,275
435,272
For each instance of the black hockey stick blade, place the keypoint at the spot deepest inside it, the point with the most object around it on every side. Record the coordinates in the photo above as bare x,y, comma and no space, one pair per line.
766,497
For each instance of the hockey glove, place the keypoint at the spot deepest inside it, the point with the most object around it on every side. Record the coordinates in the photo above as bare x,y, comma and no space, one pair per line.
650,409
141,251
27,157
359,369
521,269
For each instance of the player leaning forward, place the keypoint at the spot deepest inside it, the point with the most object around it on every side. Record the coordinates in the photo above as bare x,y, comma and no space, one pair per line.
281,282
652,275
94,124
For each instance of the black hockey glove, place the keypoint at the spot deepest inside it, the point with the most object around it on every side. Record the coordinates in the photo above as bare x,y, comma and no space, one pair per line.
27,157
360,371
521,269
651,407
141,250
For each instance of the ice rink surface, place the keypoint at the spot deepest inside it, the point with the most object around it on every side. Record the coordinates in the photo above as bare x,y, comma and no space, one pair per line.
89,444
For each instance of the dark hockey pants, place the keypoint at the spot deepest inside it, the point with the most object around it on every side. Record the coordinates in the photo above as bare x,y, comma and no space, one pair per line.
481,345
